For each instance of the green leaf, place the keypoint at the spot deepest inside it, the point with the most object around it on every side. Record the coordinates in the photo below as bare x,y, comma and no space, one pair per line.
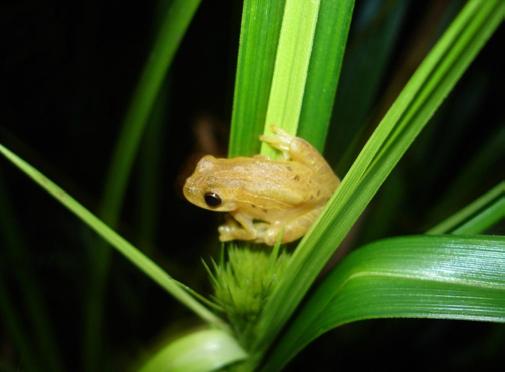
150,172
261,23
15,251
13,326
255,84
376,30
291,65
201,351
324,70
120,244
477,216
307,64
473,174
424,93
440,277
171,31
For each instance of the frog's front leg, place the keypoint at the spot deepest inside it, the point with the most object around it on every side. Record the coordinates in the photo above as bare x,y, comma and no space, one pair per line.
231,230
293,230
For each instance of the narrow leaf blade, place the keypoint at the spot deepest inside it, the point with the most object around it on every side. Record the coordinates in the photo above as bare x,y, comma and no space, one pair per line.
324,70
145,264
480,214
172,30
261,23
291,65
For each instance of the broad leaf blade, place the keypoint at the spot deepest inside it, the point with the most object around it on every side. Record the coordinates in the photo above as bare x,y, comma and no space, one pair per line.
443,277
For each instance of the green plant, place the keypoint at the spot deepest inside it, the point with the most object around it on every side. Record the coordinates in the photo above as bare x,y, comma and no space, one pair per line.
289,62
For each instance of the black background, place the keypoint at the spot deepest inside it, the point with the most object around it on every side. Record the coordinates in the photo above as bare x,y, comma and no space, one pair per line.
67,73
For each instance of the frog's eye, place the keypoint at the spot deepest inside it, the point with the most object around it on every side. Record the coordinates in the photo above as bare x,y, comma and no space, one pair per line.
212,199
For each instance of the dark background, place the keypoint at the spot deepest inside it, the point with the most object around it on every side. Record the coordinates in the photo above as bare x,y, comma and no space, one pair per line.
67,73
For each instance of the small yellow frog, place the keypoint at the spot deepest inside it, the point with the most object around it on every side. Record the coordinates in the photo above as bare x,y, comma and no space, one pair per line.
264,196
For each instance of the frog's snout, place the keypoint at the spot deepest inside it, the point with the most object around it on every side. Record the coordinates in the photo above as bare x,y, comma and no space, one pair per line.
190,193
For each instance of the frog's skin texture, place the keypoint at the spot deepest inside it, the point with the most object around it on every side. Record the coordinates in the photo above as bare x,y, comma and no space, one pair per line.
265,197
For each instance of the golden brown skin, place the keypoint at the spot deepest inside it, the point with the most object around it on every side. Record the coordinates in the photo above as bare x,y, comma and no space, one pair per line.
264,196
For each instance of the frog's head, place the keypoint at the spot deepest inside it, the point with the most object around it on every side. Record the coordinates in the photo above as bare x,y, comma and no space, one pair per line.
205,189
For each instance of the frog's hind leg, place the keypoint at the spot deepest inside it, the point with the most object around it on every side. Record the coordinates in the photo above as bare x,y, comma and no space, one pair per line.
299,150
279,140
293,230
293,148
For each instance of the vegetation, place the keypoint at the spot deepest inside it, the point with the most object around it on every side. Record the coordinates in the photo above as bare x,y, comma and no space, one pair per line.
420,203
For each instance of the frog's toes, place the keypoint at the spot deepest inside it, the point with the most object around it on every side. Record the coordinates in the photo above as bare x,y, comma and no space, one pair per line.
225,233
279,131
271,236
275,142
280,140
232,231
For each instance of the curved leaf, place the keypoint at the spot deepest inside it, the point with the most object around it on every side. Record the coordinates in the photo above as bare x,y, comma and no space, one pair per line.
204,350
443,277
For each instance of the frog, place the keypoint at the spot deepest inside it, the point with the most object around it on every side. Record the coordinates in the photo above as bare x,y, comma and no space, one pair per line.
267,200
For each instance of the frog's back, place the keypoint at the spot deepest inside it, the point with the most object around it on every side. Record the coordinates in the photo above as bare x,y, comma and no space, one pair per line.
287,183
